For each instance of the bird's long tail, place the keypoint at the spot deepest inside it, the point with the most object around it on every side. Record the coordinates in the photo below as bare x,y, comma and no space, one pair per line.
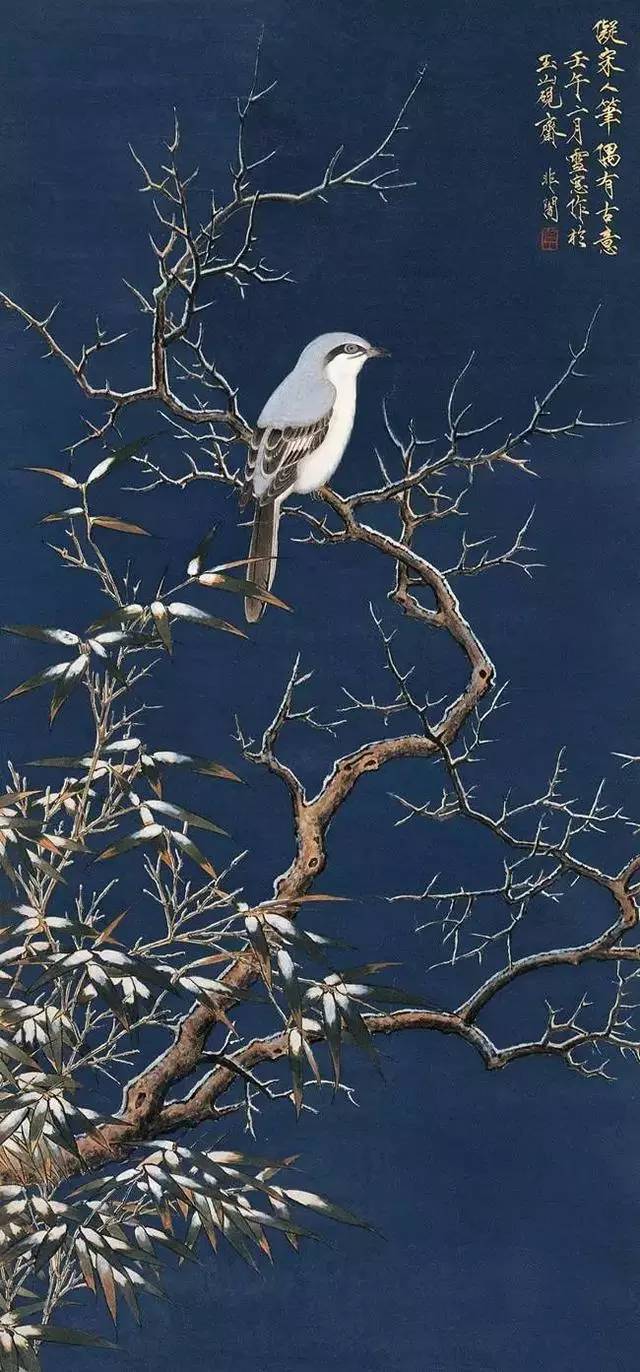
263,555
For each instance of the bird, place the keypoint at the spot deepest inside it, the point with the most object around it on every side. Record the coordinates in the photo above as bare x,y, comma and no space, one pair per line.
299,441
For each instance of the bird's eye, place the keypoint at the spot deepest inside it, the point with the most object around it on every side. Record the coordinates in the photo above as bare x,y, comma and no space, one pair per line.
352,348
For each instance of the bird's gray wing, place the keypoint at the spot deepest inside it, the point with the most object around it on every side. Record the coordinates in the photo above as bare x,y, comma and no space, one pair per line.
275,454
250,466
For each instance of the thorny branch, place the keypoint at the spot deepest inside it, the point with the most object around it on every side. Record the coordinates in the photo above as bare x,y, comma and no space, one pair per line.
543,865
188,260
109,992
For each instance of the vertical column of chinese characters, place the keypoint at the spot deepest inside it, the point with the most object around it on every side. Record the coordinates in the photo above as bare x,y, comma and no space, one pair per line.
577,156
550,98
608,115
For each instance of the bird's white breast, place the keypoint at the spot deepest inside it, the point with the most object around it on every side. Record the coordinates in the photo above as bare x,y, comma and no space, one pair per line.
318,467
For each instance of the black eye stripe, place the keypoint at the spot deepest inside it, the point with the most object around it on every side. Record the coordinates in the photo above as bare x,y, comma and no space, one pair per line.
351,349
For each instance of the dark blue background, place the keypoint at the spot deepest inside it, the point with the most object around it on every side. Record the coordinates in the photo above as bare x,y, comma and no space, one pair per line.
510,1203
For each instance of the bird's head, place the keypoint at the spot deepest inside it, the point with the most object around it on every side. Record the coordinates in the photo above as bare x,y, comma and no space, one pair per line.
341,355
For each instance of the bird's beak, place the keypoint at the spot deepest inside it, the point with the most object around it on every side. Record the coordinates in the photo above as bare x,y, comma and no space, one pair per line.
379,352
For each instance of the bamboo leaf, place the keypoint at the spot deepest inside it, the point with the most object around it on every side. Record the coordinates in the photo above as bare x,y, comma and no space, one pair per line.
12,1122
105,1276
116,458
123,745
105,934
52,1333
321,1206
333,1032
70,513
365,969
53,1241
196,764
163,626
195,562
189,847
308,1052
291,984
82,1254
11,797
257,939
46,867
128,614
357,1028
238,586
313,944
121,525
185,816
111,994
193,615
9,1352
19,825
67,683
63,636
64,477
40,679
58,762
228,566
150,831
294,1045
